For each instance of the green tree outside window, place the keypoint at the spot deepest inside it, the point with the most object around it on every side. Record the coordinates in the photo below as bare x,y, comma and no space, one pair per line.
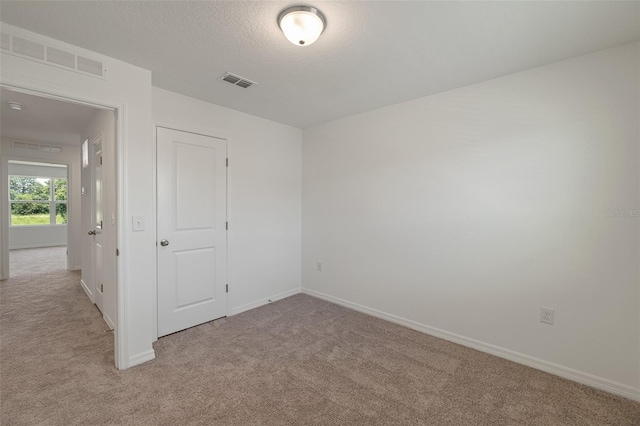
33,200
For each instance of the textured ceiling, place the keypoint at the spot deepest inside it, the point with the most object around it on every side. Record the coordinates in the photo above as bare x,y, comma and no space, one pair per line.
372,54
43,119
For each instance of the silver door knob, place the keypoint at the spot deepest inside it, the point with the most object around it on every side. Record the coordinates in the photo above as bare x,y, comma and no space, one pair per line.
164,243
91,232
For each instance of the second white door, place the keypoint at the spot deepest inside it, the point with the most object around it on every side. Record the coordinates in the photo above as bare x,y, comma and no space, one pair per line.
192,238
98,203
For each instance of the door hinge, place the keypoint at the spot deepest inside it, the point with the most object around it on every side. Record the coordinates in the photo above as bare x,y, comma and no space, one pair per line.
101,160
67,252
227,162
117,252
227,288
227,226
101,288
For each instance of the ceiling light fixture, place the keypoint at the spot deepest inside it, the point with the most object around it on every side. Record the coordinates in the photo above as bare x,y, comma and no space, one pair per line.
15,105
302,25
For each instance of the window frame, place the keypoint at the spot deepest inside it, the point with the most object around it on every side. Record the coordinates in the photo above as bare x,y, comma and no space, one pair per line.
51,201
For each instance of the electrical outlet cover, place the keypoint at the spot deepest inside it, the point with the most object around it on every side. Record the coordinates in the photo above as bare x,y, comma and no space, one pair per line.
546,315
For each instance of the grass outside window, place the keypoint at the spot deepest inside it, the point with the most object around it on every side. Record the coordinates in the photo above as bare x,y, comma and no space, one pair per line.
35,219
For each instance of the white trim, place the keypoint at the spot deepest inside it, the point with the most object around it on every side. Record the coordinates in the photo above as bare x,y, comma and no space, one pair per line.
109,321
97,138
16,84
142,357
86,289
39,245
187,127
227,220
5,216
520,358
121,331
267,300
154,206
43,226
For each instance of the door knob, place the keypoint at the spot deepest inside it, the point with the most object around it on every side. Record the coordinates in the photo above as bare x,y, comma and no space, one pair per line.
164,243
92,232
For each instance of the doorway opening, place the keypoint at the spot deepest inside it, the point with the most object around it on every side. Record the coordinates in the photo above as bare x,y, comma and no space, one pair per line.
48,196
38,231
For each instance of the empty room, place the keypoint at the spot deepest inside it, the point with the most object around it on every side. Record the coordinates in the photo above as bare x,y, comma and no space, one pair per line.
327,212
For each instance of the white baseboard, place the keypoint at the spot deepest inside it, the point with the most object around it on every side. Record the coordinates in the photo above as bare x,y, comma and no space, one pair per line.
258,303
86,290
109,321
39,245
142,357
558,370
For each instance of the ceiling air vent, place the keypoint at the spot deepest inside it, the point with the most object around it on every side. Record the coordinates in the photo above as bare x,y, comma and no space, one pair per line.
236,80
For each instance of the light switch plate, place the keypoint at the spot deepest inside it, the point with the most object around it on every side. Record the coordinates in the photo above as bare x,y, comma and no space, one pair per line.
138,223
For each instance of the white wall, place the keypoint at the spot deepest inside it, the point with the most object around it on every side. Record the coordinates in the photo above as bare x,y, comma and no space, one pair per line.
22,237
127,88
264,195
26,237
466,211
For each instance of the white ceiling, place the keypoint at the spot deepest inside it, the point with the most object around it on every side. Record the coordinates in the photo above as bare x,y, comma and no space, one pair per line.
43,119
372,54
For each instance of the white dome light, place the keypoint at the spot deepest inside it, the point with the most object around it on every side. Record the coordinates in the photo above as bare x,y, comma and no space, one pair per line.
302,25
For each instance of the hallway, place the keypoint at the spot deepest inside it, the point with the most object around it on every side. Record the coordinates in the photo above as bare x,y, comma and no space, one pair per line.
52,335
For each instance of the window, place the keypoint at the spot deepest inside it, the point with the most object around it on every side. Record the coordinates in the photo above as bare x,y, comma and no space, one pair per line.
85,154
37,200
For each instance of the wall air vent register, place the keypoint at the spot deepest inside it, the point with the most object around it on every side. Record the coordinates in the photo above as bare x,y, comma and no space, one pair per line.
29,146
50,55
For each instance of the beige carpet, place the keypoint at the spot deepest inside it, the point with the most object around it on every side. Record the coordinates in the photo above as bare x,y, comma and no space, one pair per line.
37,261
298,361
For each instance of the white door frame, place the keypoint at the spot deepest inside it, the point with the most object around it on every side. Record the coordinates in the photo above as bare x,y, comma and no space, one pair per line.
4,184
98,298
53,91
199,130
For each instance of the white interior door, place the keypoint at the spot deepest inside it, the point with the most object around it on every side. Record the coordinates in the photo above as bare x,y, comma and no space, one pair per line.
192,239
98,203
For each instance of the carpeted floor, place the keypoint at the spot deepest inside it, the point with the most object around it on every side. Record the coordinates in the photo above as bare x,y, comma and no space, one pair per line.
37,261
298,361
